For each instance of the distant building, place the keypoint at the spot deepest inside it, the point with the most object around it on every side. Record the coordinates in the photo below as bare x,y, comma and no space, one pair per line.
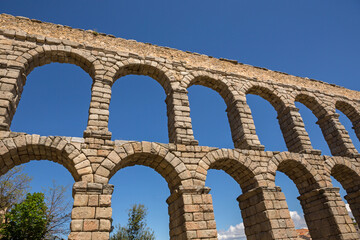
303,233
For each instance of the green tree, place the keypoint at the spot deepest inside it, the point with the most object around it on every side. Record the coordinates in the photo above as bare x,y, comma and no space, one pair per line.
15,184
26,220
136,228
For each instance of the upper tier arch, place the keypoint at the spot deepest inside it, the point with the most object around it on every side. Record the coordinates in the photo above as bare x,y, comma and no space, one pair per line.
312,103
214,82
36,57
352,113
140,67
268,94
42,55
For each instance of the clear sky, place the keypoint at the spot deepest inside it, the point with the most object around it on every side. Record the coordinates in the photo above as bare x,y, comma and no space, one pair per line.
315,39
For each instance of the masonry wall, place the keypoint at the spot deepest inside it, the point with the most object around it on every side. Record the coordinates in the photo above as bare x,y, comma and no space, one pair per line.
94,159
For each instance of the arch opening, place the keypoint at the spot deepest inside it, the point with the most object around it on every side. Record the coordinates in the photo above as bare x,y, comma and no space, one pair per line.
141,185
307,112
225,190
294,178
145,118
348,182
267,128
234,174
350,119
46,177
349,111
291,192
209,120
55,101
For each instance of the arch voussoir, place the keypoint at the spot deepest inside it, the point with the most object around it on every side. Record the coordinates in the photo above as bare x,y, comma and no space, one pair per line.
24,148
298,169
233,163
148,154
344,171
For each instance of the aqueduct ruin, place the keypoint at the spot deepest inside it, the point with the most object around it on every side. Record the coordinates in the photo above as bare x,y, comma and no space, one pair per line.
26,44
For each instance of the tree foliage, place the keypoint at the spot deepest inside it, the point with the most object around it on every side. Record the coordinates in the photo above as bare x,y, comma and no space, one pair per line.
26,220
136,229
15,184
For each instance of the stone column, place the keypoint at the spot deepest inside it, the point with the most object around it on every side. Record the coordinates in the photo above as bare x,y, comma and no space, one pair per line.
293,130
336,135
353,200
265,214
91,214
326,215
99,111
191,214
242,126
12,82
356,127
179,121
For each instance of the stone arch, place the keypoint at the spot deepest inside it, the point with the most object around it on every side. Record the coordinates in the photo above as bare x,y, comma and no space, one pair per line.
214,82
237,165
344,171
298,169
24,148
147,68
307,181
256,195
312,103
348,175
43,55
282,109
152,155
268,94
333,131
352,113
40,56
237,111
139,67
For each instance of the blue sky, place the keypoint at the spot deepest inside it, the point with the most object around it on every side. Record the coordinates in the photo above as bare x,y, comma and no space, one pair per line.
315,39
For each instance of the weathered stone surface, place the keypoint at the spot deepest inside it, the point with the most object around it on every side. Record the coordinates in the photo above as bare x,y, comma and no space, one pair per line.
83,213
92,161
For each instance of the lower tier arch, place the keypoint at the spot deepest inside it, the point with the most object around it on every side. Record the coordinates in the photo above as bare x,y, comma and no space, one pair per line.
24,148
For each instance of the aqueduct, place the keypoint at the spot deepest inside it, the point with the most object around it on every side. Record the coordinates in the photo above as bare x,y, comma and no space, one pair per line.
26,44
